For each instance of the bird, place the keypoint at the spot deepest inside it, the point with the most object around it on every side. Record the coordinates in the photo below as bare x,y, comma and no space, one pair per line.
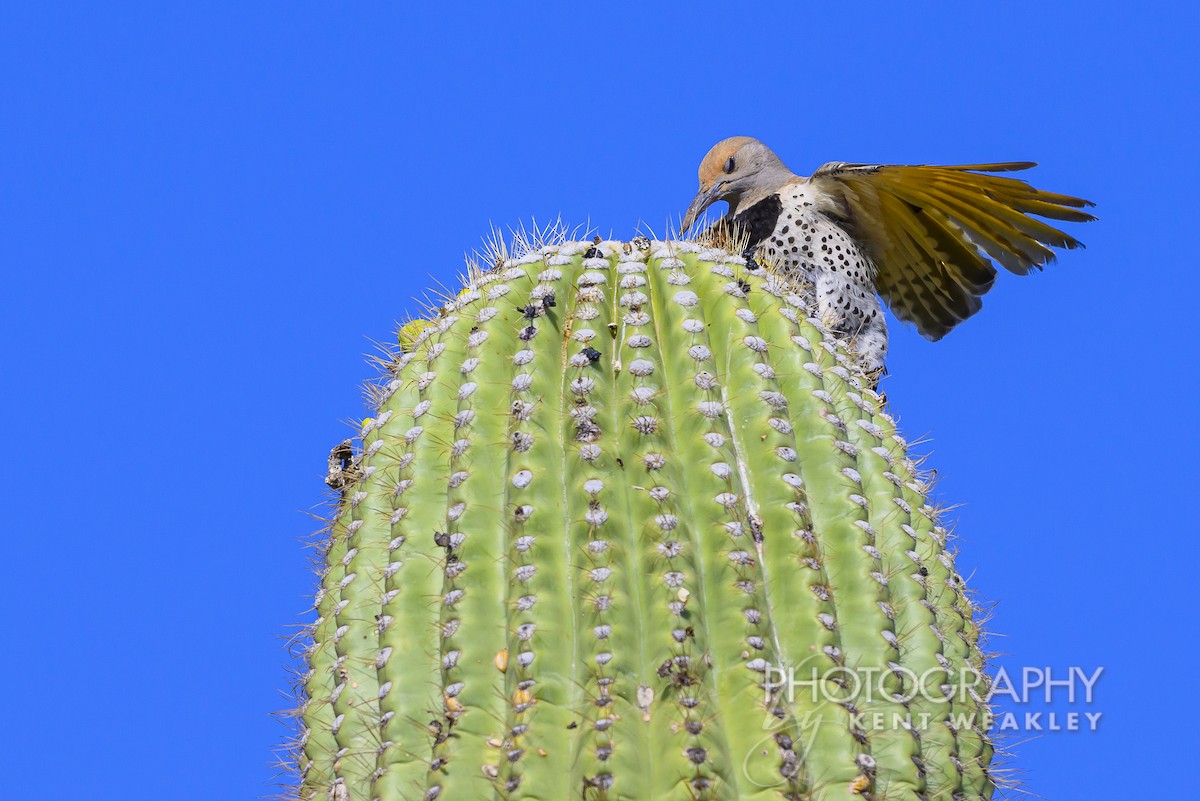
922,237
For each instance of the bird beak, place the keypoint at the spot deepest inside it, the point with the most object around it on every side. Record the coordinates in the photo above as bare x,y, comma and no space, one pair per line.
703,199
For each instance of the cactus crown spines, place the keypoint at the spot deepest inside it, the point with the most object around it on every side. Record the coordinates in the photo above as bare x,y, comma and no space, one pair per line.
605,491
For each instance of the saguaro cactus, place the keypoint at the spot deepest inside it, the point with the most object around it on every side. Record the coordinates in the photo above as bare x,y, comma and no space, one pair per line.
629,524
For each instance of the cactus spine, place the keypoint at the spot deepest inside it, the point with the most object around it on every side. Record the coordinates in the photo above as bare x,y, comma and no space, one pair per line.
608,494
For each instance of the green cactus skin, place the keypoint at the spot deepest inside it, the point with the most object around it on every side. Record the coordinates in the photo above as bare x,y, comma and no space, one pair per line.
576,546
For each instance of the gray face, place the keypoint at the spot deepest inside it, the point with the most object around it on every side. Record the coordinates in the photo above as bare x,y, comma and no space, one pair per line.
733,168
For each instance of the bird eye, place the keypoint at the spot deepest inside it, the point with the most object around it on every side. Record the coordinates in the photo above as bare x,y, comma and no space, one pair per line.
729,165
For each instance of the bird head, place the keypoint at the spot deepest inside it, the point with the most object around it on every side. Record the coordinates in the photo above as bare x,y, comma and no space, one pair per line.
734,167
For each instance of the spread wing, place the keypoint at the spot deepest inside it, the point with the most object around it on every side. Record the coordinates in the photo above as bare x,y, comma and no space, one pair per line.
933,232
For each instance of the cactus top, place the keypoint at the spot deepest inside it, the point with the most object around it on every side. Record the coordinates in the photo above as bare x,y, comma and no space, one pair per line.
617,498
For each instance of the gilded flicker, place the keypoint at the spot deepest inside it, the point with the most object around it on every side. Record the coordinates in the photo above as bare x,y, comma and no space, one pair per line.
923,237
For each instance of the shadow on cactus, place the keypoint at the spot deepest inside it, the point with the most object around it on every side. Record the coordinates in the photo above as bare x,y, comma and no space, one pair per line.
629,523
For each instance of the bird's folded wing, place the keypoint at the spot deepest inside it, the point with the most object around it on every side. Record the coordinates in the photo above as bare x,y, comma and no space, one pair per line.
931,230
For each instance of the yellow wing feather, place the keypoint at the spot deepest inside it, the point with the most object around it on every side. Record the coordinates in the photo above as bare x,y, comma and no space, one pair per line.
933,231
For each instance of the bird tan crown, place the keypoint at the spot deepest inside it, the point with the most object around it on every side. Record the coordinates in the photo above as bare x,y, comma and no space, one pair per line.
629,522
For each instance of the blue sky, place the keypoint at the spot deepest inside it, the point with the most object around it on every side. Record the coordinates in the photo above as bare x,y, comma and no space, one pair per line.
208,210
